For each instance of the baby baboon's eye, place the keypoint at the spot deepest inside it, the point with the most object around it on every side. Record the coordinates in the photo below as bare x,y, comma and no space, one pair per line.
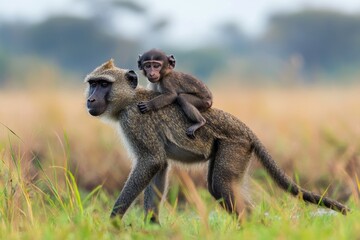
157,65
147,65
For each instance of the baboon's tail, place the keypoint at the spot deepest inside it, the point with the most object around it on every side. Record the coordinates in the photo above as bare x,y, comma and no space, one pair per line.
287,184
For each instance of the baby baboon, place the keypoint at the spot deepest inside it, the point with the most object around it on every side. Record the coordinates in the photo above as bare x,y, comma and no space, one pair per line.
191,94
225,142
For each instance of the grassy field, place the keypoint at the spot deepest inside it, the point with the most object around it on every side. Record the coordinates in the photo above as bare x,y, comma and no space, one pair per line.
61,170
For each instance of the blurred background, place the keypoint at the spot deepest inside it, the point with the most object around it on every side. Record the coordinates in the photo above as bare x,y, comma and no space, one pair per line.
268,42
288,69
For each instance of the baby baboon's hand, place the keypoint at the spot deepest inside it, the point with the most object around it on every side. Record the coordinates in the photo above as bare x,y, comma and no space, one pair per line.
144,107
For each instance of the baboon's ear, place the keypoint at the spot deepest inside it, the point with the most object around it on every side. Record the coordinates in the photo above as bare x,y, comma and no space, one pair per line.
132,78
109,64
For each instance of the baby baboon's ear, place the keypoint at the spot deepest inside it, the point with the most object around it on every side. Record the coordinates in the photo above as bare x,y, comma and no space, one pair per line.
171,60
132,78
139,63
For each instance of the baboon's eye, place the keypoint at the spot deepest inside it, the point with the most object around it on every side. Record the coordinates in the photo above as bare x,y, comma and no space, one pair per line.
93,84
104,84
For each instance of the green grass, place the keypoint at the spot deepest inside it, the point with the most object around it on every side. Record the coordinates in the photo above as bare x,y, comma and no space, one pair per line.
50,205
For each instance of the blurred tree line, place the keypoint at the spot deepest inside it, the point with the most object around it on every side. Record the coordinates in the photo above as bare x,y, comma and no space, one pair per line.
324,40
302,44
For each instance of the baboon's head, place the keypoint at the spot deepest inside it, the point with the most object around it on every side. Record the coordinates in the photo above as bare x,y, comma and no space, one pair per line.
155,64
109,89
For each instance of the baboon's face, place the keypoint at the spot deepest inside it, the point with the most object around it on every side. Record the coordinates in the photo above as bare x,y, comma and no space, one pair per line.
152,70
97,101
155,65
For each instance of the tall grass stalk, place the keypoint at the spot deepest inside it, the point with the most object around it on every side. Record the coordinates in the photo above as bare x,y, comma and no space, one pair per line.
20,195
42,197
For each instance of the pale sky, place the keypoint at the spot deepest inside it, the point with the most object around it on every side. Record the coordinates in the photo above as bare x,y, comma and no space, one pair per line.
191,20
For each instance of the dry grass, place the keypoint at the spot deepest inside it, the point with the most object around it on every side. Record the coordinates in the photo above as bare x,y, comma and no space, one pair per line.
314,132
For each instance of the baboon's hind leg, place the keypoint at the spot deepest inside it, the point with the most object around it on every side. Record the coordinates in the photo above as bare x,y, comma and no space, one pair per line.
226,172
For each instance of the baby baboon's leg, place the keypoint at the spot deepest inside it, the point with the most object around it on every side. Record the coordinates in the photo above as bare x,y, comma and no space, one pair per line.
154,192
200,103
191,105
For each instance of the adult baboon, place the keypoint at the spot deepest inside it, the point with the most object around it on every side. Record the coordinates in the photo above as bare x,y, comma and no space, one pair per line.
153,138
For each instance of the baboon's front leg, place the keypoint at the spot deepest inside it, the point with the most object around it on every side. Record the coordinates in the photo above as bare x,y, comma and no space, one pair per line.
154,192
139,178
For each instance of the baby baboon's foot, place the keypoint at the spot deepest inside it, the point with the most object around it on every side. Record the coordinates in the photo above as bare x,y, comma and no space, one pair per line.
190,132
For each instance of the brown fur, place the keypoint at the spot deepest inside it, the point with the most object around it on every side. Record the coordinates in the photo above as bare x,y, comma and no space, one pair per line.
190,93
225,142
